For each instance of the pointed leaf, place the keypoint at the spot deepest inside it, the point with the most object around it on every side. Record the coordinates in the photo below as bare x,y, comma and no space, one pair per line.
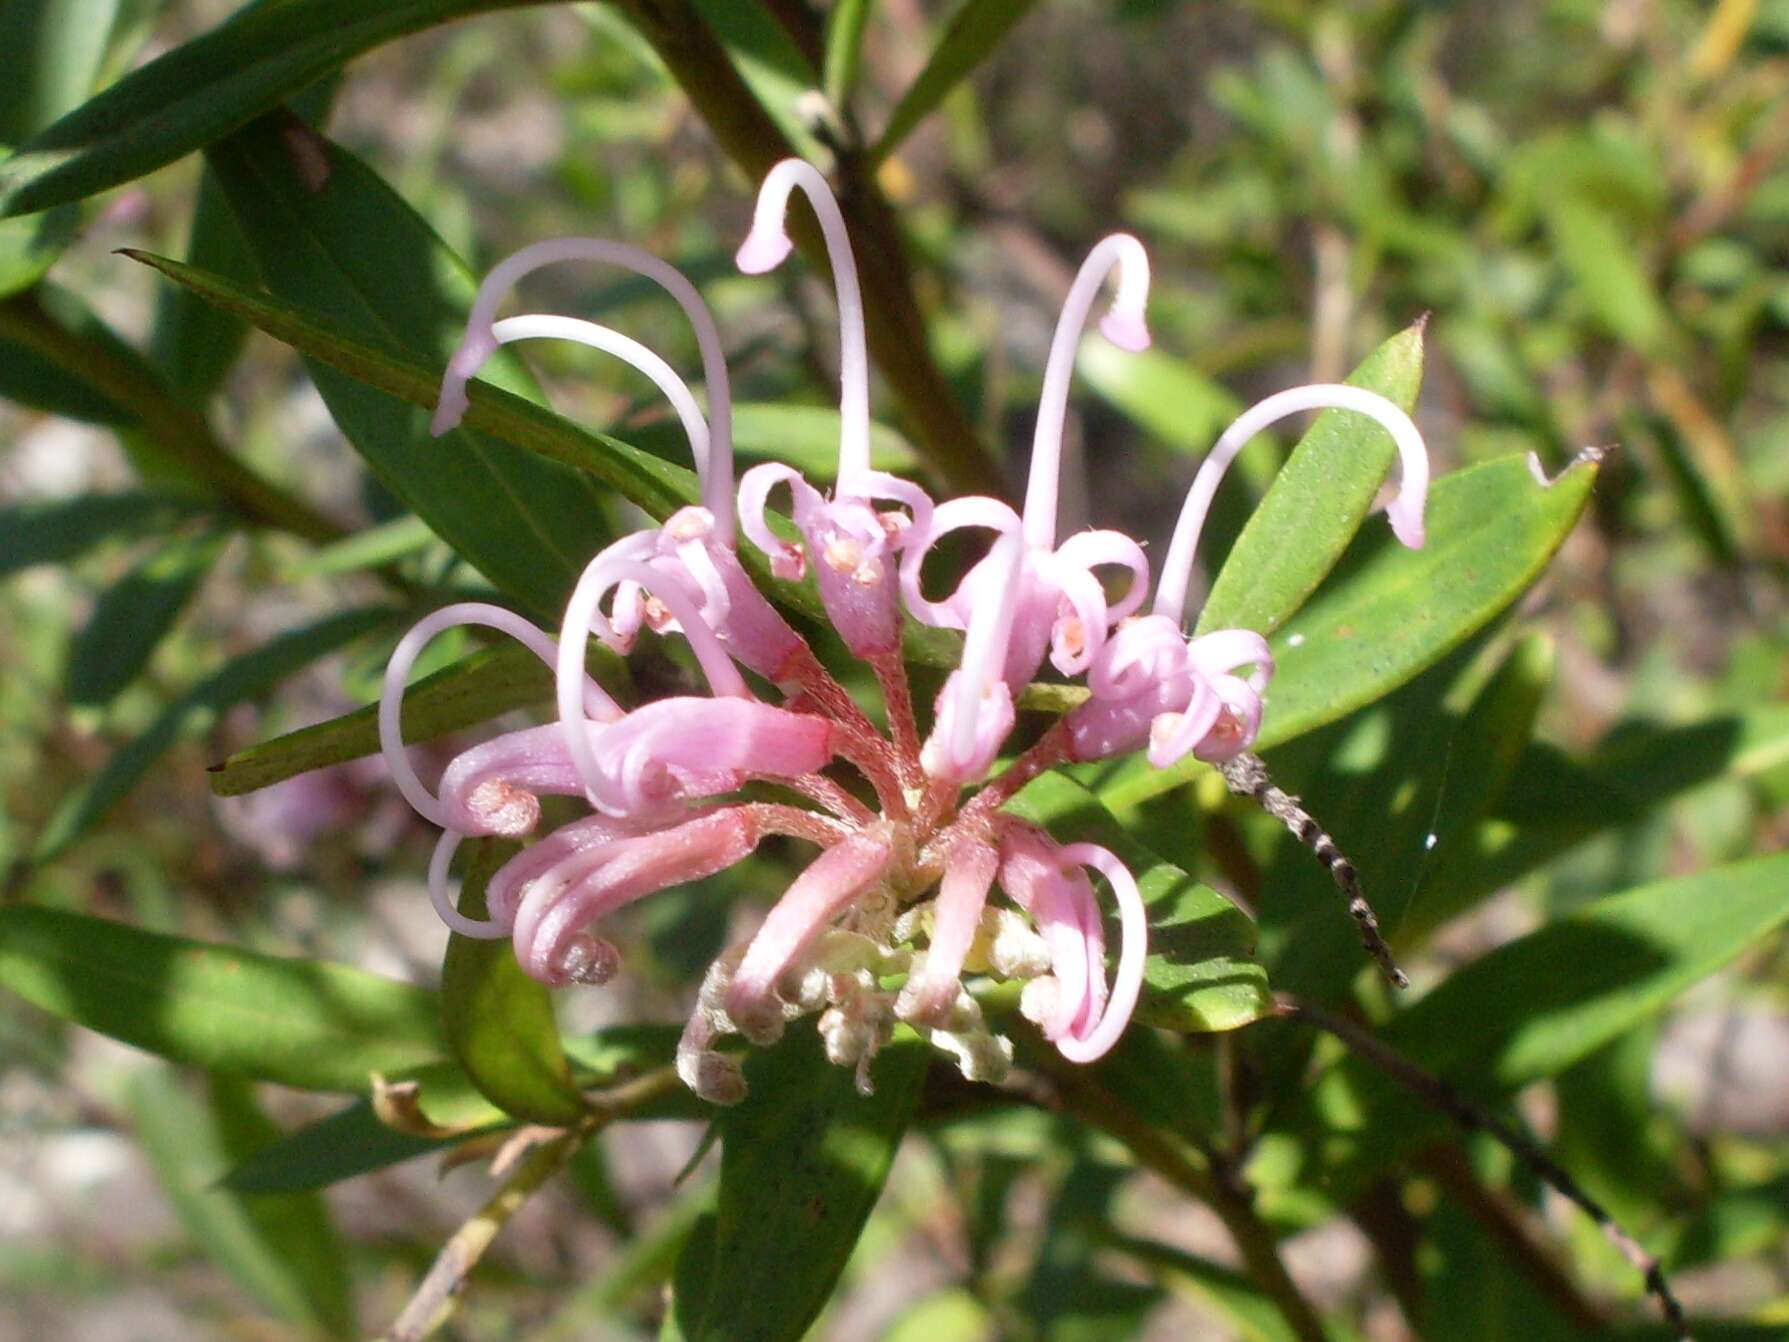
345,1145
245,677
326,232
803,1160
302,1023
1317,501
974,31
1535,1007
498,1021
206,88
1201,973
134,615
1389,613
281,1250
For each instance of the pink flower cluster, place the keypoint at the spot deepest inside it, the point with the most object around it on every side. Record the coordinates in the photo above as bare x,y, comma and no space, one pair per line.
896,909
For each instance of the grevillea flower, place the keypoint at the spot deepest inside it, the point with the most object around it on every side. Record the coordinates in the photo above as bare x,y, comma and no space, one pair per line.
907,897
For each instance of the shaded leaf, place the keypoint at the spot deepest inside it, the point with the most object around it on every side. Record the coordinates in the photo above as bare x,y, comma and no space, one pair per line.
845,24
242,678
302,1023
134,615
974,31
206,88
770,63
1201,973
1222,1290
497,1020
58,530
345,1145
803,1160
282,1250
193,343
326,232
1536,1006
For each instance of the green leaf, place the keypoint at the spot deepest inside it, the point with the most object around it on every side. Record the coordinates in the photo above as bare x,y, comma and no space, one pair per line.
57,382
134,615
59,530
206,88
1228,1293
1317,502
472,690
375,547
55,51
1536,1006
845,25
1389,613
193,343
975,30
1166,397
326,232
1607,273
655,485
282,1250
345,1145
803,1160
769,63
1201,974
803,436
498,1021
243,678
302,1023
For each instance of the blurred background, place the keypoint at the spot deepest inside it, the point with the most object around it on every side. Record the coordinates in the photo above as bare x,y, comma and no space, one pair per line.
1589,197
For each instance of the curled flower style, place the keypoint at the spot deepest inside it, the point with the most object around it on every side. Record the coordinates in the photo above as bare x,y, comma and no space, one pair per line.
1153,687
911,898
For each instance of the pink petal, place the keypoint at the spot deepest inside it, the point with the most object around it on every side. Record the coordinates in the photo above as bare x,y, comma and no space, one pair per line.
968,874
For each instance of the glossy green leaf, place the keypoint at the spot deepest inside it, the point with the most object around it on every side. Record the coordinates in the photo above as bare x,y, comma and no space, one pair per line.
134,615
974,31
302,1023
327,233
240,679
193,343
282,1250
498,1021
1536,1006
472,690
1201,973
206,88
1389,613
59,530
803,1160
1317,502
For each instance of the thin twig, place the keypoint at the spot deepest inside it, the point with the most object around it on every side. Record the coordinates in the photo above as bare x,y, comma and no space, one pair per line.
1246,775
1437,1092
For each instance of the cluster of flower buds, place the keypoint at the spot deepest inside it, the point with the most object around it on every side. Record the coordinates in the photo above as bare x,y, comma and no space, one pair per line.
885,923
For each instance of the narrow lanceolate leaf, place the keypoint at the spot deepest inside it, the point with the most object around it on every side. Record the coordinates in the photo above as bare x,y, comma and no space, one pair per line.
243,678
803,1160
655,485
974,31
327,234
206,88
845,25
134,615
770,63
345,1145
1389,614
498,1021
1317,501
1533,1008
472,690
1201,973
302,1023
193,343
282,1251
59,530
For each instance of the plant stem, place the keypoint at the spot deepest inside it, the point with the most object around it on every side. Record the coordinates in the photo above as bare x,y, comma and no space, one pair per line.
178,428
897,334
